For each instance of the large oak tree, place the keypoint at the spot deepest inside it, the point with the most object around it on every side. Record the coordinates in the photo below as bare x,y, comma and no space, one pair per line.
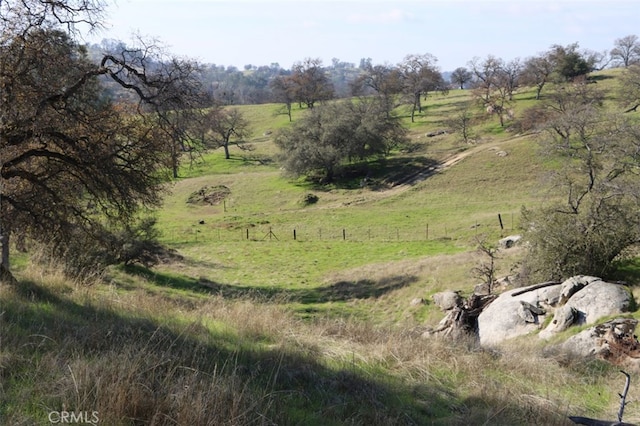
333,134
310,82
419,76
73,164
626,51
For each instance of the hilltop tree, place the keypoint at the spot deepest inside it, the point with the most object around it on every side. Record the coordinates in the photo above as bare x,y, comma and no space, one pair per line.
284,91
568,62
310,82
486,73
629,91
73,165
496,81
461,76
537,72
419,75
626,51
509,76
334,134
500,97
383,80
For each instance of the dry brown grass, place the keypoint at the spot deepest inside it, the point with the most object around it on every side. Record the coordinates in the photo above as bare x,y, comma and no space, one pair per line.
140,356
430,275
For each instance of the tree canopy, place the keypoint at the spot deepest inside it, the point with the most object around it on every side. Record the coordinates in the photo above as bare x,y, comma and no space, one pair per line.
419,75
74,164
336,133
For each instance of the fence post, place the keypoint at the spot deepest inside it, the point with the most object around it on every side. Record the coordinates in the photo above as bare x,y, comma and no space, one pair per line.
344,234
294,234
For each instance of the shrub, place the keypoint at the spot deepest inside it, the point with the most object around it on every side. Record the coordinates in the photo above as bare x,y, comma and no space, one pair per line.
309,199
564,244
88,253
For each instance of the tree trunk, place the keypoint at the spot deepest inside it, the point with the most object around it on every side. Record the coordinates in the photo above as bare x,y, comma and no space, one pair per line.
416,102
5,273
4,240
539,91
226,150
414,106
175,170
175,160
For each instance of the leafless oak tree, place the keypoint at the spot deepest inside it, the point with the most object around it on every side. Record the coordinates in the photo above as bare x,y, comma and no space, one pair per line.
419,76
626,51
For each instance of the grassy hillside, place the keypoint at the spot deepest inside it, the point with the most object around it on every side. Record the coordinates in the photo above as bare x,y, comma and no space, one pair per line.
247,241
252,326
142,351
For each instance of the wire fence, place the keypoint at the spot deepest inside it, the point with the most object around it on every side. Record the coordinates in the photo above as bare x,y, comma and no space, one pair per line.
202,232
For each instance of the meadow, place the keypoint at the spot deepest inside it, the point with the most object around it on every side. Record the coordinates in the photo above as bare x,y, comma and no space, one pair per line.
253,324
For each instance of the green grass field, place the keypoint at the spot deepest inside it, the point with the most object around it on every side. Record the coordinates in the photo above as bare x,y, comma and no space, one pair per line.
249,237
252,326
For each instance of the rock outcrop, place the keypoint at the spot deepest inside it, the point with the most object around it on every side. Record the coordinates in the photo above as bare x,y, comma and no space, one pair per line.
510,241
613,341
514,313
578,300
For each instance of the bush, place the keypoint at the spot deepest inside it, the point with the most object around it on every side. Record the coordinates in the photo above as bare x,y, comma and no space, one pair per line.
90,251
309,199
564,244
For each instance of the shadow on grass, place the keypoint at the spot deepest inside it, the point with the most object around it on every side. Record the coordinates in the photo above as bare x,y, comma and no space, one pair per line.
252,160
599,77
406,169
132,370
341,291
377,174
178,282
361,289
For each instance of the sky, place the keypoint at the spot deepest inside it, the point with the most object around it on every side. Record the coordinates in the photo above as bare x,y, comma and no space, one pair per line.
262,32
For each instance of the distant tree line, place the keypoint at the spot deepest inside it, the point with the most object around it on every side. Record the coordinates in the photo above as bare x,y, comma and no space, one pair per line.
253,84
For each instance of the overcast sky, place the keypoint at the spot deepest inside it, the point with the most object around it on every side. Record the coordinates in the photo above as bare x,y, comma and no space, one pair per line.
261,32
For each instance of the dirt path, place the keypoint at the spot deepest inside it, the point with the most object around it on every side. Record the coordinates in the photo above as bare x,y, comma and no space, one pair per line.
412,179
